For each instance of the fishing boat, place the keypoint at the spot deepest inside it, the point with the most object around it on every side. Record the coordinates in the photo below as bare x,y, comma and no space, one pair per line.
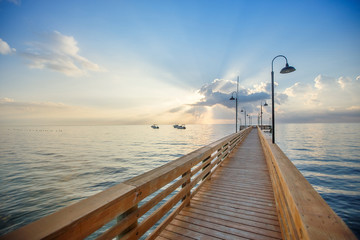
181,126
154,126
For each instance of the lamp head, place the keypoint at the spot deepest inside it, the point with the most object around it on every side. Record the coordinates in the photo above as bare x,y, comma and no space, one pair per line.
242,110
265,104
232,98
287,69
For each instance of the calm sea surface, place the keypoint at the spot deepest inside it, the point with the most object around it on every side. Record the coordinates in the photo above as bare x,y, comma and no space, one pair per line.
328,155
45,168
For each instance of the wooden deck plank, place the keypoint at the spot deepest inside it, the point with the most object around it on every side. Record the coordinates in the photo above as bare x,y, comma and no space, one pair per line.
247,215
202,227
201,232
241,182
248,196
237,203
191,231
238,208
161,238
231,191
194,212
249,202
172,235
222,228
253,192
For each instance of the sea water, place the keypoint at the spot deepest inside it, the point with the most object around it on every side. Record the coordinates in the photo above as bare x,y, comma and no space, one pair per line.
45,168
328,155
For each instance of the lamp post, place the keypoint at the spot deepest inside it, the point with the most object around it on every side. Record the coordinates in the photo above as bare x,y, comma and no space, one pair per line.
244,111
286,69
261,113
236,105
249,119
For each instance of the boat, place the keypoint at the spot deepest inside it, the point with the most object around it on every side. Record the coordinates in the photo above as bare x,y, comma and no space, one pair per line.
154,126
181,126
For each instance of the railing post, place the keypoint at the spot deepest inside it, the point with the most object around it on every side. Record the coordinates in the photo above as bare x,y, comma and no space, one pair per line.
124,215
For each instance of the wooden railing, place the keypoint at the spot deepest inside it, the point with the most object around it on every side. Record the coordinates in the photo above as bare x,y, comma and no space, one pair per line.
148,201
303,213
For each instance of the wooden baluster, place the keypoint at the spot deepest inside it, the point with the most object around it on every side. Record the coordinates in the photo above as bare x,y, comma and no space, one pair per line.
124,215
187,196
206,166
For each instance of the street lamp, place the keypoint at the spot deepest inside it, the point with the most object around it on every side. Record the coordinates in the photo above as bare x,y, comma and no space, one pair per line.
286,69
261,112
236,106
244,111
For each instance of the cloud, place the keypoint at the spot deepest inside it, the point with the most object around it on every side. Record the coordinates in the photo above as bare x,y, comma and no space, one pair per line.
5,48
322,116
59,53
327,99
220,91
6,100
13,112
197,111
9,107
177,109
215,105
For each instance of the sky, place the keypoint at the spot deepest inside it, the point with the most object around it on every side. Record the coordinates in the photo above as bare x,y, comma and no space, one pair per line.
167,61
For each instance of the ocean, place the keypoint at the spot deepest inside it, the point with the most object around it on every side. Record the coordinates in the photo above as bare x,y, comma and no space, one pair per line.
45,168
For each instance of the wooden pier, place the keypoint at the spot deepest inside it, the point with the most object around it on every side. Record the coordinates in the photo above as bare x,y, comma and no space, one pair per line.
239,187
237,203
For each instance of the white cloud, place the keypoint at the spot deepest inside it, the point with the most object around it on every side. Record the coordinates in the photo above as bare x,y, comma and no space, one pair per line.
353,108
220,90
6,100
327,96
317,81
5,48
59,53
215,105
327,99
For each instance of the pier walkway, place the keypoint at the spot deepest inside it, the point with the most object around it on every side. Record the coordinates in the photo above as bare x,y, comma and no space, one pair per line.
237,202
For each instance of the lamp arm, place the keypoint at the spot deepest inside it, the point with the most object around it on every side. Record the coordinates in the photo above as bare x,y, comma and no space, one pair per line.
272,62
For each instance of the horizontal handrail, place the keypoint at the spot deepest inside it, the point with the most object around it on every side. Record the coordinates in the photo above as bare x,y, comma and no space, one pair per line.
138,203
303,213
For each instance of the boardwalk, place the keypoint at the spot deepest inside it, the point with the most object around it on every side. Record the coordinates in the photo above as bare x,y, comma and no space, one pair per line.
237,203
